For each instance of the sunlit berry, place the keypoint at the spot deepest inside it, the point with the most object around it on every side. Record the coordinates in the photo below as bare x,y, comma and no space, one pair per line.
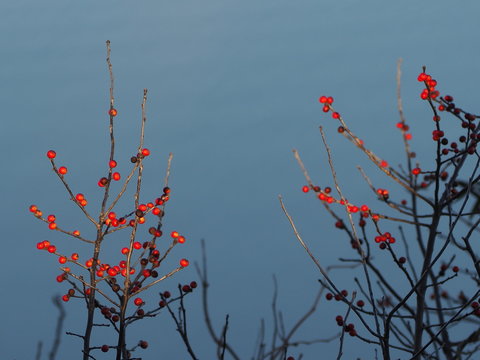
74,256
137,245
116,176
174,234
51,154
33,208
416,171
181,239
113,112
335,115
112,272
184,263
51,218
145,152
112,164
125,250
322,99
138,301
422,77
62,259
60,278
326,108
52,226
51,248
40,245
305,189
65,297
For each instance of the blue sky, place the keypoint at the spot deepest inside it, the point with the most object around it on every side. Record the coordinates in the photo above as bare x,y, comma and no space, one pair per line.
233,88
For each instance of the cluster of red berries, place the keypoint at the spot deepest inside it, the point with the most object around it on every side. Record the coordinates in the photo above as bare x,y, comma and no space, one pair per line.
189,287
324,196
329,296
429,92
327,105
350,328
404,128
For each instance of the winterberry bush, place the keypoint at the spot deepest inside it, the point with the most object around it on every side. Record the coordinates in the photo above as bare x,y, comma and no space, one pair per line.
416,293
111,283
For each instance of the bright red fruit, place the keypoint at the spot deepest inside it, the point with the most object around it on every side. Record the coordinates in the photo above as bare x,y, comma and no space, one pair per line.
138,301
51,154
184,263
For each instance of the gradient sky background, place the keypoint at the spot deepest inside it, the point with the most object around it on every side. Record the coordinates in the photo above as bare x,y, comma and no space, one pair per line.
233,88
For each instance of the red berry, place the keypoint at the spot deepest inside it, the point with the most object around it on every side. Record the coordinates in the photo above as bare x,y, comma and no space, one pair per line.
116,176
186,288
329,296
322,99
184,263
360,303
174,234
416,171
143,344
145,152
62,259
193,284
455,269
138,301
305,189
422,77
402,260
167,294
105,348
113,112
65,297
62,170
51,154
